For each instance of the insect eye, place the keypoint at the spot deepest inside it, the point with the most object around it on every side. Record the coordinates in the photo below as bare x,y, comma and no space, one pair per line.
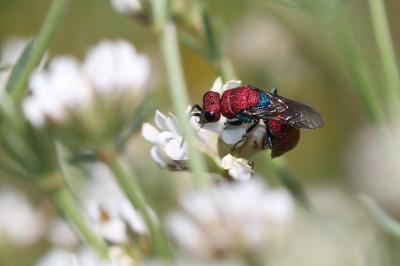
209,116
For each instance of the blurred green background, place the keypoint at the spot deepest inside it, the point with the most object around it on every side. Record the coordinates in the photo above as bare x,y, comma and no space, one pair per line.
301,57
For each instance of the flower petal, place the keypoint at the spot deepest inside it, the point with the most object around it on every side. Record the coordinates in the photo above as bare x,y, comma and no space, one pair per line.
241,171
165,137
160,118
158,156
187,233
238,168
175,150
231,135
150,133
114,231
173,124
132,216
217,85
231,85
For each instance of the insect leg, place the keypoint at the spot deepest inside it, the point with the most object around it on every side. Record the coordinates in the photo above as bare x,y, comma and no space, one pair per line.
268,138
196,107
248,130
233,123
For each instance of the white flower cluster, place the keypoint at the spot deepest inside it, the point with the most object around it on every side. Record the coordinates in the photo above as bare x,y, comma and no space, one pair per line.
127,7
86,257
111,68
110,211
170,149
20,223
231,218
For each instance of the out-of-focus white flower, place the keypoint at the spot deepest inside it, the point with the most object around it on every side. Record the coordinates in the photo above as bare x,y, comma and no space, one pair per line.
114,66
9,54
119,257
61,234
238,168
110,69
56,93
337,232
127,7
373,161
110,211
19,222
170,149
229,219
184,261
58,257
85,257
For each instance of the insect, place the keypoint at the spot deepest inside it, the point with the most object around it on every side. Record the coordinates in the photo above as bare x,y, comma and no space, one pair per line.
247,104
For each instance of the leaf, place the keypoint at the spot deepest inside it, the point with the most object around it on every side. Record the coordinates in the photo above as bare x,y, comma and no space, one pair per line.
212,43
20,66
138,118
83,157
192,42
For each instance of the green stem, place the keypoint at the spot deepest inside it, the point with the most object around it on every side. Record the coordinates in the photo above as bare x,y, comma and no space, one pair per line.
50,26
222,65
386,50
180,100
289,181
225,69
129,184
66,203
388,223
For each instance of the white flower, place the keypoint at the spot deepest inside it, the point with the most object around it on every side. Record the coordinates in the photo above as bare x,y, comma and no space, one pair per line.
57,92
119,257
169,148
58,257
373,162
127,7
10,52
85,257
110,69
239,168
231,218
62,234
114,66
19,222
110,211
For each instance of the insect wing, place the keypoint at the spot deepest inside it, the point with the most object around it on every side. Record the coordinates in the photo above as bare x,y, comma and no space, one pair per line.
299,115
271,111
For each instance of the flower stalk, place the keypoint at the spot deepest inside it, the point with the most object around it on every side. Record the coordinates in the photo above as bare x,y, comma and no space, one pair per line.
178,92
50,26
128,182
66,204
386,50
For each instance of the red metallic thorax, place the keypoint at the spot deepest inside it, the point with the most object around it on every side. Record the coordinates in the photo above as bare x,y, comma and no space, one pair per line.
238,99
